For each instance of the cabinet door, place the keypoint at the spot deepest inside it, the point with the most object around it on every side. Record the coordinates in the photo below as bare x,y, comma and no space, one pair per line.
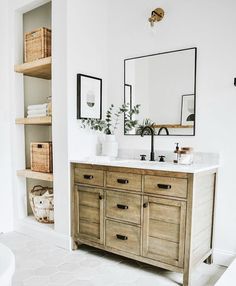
89,214
164,230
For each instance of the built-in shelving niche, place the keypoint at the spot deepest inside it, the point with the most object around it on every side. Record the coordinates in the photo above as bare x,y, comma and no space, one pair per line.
37,89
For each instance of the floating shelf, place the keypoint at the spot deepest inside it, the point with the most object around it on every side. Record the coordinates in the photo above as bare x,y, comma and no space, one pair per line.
39,68
46,120
35,175
173,126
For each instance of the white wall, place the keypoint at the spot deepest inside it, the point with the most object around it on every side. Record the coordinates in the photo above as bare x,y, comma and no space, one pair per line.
6,203
210,26
87,54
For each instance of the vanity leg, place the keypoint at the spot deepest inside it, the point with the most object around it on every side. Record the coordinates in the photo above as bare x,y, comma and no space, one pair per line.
187,277
209,260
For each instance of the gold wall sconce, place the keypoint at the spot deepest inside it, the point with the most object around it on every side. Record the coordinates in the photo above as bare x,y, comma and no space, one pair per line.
156,16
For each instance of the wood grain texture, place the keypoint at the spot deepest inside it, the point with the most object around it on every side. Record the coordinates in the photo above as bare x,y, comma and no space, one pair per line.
178,187
132,233
133,181
82,176
163,229
45,120
35,175
126,170
170,231
39,68
89,205
116,200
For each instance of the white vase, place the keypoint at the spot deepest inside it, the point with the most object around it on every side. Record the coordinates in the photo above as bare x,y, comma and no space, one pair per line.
110,146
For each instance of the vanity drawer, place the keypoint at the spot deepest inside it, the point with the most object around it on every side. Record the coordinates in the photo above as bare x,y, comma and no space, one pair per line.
122,206
89,177
167,186
123,237
124,181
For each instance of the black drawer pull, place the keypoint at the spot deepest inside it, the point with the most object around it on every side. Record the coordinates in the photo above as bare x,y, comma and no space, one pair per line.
163,186
122,181
100,197
121,237
123,207
88,177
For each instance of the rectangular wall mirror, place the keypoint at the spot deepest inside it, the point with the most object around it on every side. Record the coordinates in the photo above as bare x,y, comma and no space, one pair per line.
164,84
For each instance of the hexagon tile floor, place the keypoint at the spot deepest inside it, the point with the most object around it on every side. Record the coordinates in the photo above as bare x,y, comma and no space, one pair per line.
40,264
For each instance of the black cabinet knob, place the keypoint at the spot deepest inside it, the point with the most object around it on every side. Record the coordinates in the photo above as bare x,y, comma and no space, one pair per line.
145,205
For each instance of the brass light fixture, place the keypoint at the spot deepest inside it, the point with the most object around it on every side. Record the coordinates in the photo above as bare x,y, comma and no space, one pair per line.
156,16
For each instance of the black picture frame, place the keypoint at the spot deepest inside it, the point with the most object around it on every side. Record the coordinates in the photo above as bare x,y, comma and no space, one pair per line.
89,97
129,95
187,116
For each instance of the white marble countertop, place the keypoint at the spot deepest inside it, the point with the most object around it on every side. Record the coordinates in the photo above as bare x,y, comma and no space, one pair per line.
158,166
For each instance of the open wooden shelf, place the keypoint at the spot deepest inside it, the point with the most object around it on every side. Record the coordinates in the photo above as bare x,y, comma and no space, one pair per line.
35,175
39,68
172,126
45,120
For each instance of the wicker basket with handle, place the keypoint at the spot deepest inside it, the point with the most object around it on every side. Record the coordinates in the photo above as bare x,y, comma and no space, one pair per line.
37,44
42,203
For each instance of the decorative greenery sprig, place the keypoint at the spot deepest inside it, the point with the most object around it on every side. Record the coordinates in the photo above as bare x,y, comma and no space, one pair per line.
146,122
111,122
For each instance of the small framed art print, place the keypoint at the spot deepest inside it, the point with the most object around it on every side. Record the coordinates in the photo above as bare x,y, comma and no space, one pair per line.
89,97
188,110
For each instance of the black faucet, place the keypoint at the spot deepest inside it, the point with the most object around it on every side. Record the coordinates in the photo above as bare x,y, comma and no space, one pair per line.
163,128
149,128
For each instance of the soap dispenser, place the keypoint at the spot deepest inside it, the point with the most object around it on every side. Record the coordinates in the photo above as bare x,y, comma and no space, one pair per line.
177,153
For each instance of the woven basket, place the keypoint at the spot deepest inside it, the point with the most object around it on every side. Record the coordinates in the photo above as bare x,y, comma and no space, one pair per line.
42,204
37,44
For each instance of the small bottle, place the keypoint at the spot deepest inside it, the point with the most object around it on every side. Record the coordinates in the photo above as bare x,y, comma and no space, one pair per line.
176,161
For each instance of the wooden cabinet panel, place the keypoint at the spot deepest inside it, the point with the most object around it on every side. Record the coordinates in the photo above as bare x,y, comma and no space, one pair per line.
124,181
167,186
164,230
89,206
122,206
89,177
123,237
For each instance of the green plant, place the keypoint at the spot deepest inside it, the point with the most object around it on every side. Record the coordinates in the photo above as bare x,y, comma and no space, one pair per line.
110,124
146,122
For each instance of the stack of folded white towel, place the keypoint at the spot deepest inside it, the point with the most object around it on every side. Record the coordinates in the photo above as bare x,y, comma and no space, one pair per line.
39,110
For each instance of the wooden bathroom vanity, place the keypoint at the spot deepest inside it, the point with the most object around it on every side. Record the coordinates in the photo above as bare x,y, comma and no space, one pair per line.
151,214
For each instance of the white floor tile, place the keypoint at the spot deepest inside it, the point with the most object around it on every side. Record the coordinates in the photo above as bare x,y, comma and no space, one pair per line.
40,264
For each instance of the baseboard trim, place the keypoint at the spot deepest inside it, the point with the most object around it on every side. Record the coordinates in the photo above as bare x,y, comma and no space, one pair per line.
222,257
45,234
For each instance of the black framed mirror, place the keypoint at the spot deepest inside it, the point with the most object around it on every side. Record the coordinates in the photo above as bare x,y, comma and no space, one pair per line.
164,84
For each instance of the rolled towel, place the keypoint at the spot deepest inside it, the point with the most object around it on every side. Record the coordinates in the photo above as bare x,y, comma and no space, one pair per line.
38,106
35,112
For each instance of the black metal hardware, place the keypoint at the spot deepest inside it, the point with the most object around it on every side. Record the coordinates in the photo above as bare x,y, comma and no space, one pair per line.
100,197
88,177
143,157
122,181
121,237
235,81
163,128
163,186
40,146
162,158
123,207
152,132
145,205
